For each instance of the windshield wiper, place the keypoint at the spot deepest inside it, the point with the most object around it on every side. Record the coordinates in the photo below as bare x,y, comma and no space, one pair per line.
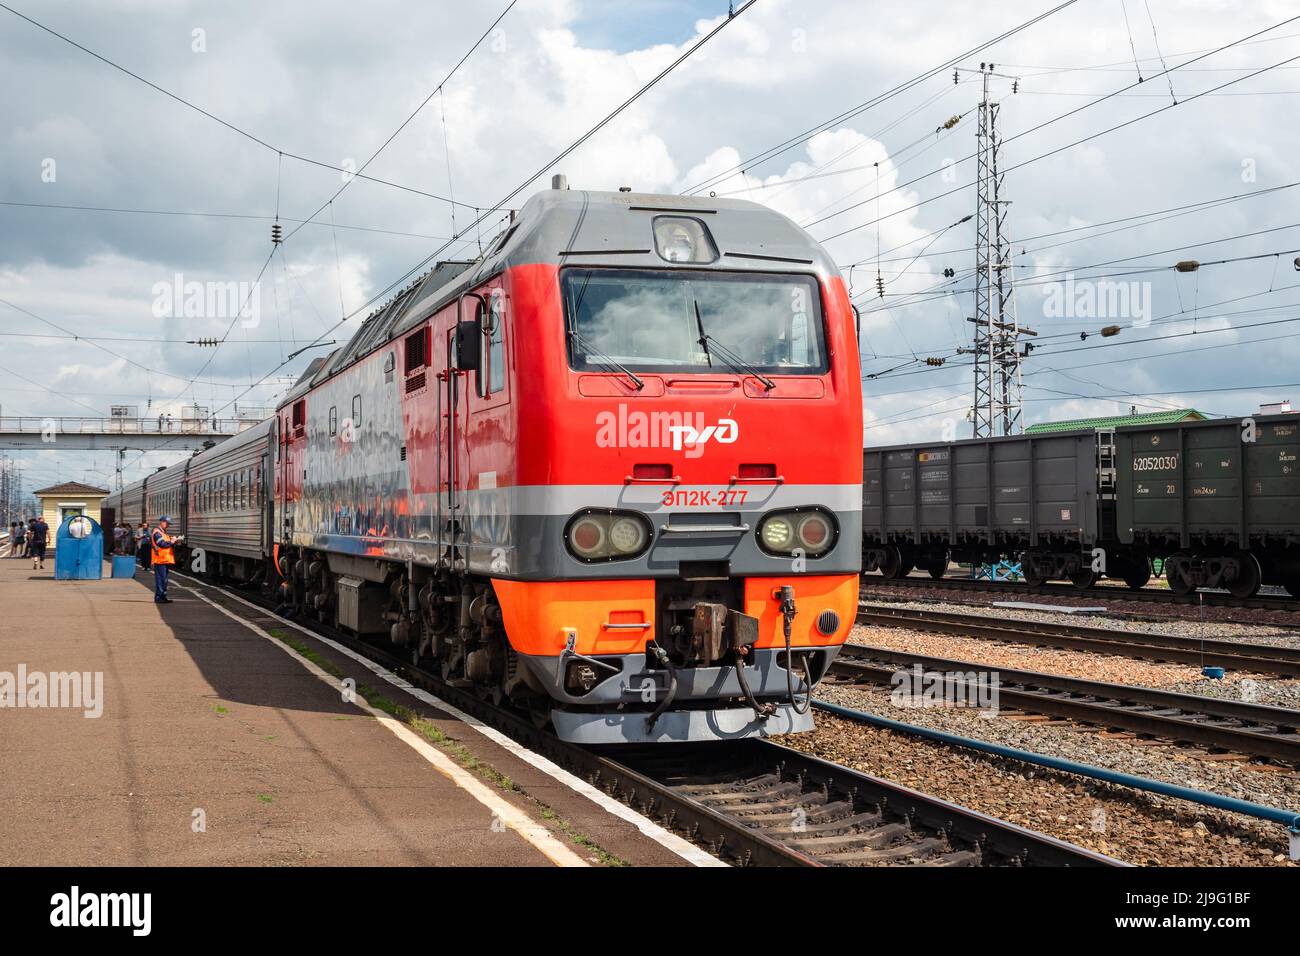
727,355
590,352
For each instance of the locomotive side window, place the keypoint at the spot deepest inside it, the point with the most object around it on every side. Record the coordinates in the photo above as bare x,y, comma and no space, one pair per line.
334,419
299,416
660,320
496,343
356,410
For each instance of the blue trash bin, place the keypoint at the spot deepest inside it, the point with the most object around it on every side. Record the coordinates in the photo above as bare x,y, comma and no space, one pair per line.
123,565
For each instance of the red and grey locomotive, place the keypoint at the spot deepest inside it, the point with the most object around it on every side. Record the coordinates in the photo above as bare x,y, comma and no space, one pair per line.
609,471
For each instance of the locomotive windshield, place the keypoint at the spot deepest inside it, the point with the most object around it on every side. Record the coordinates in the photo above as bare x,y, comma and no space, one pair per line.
660,321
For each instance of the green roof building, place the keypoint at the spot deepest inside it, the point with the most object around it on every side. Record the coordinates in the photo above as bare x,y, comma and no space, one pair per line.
1171,417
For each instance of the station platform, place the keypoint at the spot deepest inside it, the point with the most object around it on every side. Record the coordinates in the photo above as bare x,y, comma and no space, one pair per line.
198,738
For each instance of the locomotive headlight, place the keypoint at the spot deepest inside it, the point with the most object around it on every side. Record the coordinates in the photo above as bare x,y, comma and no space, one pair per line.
777,533
810,530
587,537
682,239
814,532
627,535
594,535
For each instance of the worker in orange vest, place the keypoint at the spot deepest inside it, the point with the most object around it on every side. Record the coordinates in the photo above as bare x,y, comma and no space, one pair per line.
164,556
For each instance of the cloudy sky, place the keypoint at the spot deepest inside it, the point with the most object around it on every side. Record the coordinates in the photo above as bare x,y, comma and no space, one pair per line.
1138,177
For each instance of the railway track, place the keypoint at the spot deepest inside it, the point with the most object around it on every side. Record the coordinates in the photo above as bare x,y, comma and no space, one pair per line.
755,802
1256,658
1259,730
1146,595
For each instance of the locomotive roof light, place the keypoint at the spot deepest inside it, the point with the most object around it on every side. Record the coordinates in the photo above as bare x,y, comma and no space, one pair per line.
810,530
683,239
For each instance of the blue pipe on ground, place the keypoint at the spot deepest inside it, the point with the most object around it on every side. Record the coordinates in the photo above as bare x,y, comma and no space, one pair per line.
1288,818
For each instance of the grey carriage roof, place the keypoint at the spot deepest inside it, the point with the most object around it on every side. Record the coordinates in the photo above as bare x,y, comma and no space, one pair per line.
581,227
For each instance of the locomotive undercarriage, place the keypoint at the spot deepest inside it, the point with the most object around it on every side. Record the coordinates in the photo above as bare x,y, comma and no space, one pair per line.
436,616
702,678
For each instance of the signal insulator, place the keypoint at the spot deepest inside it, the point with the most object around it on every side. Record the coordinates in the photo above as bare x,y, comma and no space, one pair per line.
880,285
950,122
949,273
1109,331
277,233
211,343
954,77
934,360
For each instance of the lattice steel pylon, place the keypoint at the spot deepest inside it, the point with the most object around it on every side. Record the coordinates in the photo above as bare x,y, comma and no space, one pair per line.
999,395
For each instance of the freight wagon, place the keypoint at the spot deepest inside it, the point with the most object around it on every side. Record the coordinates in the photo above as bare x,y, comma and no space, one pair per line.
1218,501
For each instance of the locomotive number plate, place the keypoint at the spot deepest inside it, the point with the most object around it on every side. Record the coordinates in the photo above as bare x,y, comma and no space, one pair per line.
703,498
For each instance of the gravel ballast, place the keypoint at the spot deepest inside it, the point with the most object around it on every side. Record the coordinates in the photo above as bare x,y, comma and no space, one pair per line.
1130,825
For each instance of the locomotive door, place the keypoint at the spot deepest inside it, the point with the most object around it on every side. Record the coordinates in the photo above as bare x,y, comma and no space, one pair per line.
453,444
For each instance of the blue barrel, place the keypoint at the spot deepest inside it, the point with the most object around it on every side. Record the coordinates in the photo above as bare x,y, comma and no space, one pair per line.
124,565
79,550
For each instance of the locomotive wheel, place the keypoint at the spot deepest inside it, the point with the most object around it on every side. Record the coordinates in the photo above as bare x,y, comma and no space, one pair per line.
938,566
1138,574
1084,578
1248,579
1179,583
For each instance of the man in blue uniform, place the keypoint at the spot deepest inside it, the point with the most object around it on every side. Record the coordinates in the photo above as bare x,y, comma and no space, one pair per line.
164,556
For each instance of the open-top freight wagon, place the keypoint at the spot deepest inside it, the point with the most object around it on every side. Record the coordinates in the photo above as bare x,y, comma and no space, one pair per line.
1217,501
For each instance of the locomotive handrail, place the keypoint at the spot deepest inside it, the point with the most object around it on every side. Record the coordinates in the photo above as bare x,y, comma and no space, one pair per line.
773,480
628,626
667,480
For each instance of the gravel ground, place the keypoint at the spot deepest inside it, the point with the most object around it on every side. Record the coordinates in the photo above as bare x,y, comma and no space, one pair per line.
1183,678
1271,634
1133,826
1122,605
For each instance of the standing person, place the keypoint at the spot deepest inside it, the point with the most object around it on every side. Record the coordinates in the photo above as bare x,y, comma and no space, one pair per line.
142,545
164,556
38,534
120,531
19,539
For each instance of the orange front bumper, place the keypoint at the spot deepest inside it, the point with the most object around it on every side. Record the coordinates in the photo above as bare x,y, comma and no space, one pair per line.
538,615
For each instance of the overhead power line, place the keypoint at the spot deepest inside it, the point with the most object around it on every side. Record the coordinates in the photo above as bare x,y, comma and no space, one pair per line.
252,137
808,134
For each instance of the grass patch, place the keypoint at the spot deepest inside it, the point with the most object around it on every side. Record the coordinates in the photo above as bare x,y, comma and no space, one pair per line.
219,710
264,797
